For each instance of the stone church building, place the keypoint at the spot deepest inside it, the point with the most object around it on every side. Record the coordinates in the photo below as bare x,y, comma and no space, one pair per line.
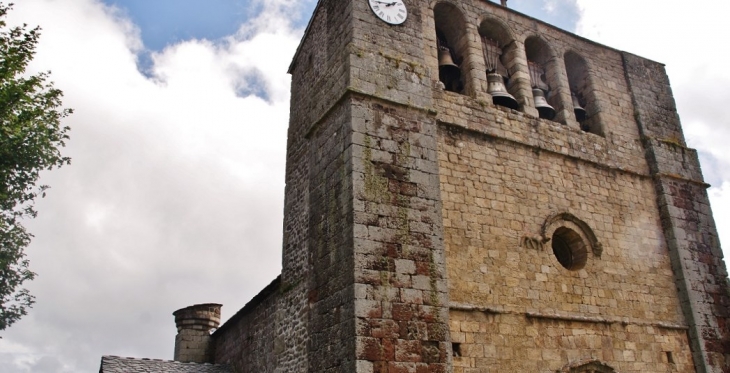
469,189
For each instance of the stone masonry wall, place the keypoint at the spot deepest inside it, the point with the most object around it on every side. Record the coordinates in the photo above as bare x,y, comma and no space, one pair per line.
290,338
381,213
401,300
506,342
689,229
331,307
497,195
401,295
387,62
246,340
319,78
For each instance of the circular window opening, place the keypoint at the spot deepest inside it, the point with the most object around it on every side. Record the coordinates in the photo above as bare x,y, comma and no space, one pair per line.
569,249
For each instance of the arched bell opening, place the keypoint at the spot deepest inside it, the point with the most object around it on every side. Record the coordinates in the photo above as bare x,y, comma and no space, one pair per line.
543,77
582,93
452,47
495,40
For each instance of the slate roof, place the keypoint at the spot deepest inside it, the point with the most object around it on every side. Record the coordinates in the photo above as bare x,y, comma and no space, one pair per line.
116,364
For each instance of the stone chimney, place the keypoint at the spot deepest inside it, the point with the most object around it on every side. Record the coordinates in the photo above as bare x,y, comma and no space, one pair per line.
194,325
504,3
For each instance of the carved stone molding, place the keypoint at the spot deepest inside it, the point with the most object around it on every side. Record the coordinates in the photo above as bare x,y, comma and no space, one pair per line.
587,366
566,219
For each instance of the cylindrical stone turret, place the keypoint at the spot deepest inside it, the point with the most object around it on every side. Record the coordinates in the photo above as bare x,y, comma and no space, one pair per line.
194,323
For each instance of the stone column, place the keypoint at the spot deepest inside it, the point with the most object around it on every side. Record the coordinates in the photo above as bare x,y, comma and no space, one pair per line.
515,60
560,98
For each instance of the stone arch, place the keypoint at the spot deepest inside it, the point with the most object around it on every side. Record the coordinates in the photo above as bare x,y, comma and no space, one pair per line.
451,33
538,50
539,53
496,29
581,85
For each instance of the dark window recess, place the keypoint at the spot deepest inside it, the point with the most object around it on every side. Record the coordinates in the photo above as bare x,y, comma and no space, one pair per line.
543,77
569,249
449,71
582,93
452,44
456,349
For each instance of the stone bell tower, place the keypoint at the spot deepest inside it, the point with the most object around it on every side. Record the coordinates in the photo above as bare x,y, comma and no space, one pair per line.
469,189
534,209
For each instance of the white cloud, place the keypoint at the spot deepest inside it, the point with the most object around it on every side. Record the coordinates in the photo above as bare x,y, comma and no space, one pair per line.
141,223
551,6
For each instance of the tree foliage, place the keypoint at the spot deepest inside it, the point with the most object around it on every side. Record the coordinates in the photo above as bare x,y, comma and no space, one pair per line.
31,135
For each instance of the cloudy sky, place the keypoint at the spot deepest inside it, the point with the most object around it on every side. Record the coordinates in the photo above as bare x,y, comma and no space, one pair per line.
175,193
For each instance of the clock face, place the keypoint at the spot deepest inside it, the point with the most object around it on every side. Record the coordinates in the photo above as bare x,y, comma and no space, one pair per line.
390,11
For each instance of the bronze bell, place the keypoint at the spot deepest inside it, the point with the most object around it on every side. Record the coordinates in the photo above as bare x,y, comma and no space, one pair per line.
580,113
449,72
499,93
546,111
445,58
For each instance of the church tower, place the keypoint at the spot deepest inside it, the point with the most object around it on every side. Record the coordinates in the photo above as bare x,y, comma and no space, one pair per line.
473,190
469,189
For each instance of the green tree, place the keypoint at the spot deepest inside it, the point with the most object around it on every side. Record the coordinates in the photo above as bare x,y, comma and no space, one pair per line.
30,137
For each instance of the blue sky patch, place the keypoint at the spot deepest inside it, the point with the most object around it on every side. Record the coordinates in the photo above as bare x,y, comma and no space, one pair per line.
164,22
254,84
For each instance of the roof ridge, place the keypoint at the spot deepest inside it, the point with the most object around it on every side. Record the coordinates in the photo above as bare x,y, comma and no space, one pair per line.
152,359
